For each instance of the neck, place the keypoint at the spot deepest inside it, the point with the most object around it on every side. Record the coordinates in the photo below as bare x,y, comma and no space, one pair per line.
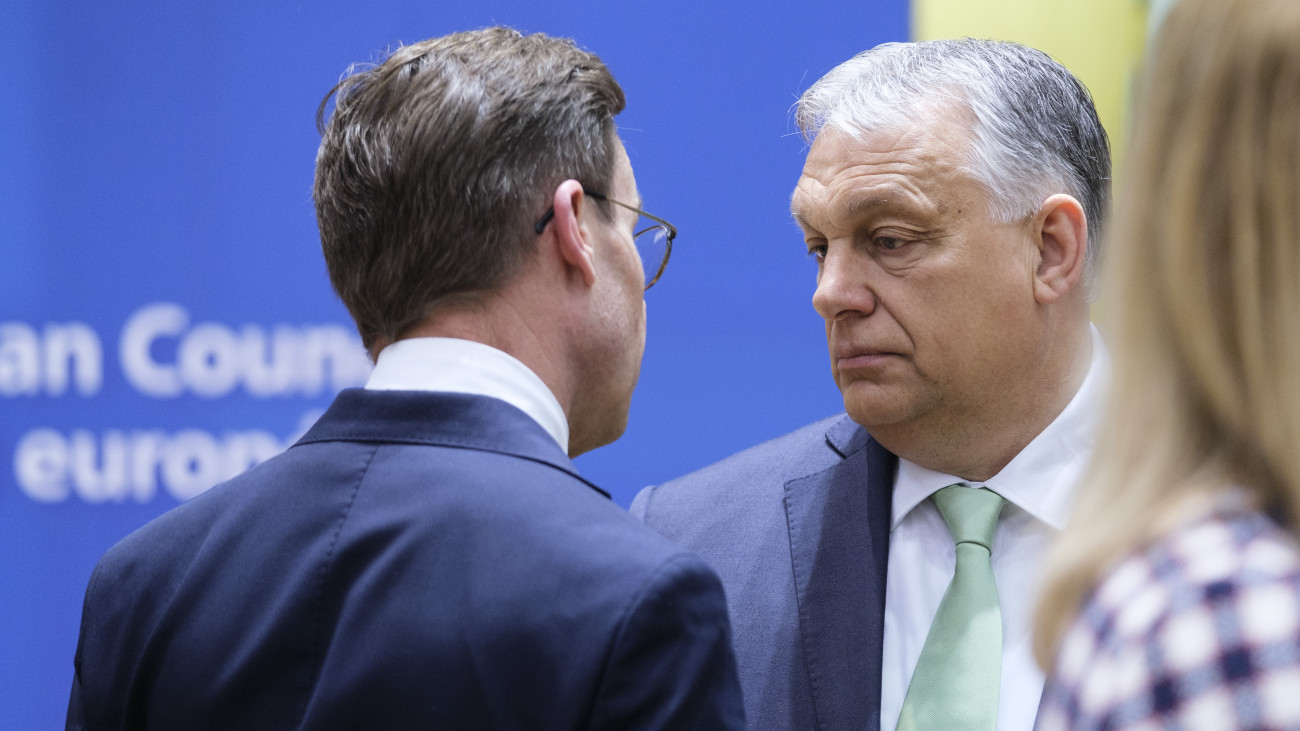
502,323
976,446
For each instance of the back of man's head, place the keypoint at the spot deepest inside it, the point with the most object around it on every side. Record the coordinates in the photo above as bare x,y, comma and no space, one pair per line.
436,162
1034,129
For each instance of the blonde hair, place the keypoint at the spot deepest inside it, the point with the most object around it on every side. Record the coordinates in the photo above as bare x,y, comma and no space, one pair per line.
1205,270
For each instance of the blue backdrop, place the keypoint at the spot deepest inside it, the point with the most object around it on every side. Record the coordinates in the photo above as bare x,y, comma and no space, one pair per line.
165,317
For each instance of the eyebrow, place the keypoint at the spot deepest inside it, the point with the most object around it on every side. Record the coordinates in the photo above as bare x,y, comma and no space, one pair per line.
855,208
859,205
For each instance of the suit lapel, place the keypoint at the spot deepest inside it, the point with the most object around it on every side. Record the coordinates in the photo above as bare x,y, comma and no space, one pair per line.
838,521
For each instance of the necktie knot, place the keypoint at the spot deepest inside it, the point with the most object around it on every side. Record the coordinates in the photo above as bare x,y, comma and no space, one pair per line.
971,513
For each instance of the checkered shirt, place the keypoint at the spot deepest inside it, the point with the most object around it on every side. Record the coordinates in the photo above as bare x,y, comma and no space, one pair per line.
1199,631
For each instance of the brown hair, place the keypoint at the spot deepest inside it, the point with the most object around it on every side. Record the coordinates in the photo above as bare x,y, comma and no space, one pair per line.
1205,265
435,164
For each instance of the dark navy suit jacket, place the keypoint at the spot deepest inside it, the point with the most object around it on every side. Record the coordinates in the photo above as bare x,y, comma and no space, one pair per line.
417,560
798,529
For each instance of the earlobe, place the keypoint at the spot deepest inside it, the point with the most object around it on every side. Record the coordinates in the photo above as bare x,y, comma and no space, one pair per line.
1062,237
572,239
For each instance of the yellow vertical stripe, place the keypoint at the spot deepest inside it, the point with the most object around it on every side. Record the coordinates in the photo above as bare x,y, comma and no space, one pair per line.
1101,41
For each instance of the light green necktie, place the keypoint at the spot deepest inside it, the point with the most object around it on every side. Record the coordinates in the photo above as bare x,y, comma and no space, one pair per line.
955,685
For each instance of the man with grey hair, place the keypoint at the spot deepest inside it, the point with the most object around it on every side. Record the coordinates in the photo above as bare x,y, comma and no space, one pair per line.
427,556
952,198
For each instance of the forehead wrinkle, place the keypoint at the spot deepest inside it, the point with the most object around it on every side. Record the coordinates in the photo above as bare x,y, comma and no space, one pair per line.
902,165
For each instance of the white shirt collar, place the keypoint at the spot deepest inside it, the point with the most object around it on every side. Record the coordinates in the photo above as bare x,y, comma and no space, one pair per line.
1041,479
465,366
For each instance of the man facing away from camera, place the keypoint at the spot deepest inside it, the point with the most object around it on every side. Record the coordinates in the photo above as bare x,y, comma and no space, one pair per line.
426,556
880,565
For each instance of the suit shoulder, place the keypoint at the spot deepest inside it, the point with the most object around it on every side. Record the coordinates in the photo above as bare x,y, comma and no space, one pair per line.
759,470
795,454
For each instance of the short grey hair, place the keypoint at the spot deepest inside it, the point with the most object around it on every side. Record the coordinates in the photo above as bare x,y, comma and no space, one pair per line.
1035,130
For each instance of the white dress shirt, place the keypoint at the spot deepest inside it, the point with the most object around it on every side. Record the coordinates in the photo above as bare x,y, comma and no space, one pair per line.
465,366
1038,485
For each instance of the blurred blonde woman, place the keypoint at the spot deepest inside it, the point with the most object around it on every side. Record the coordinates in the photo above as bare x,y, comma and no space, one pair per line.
1173,599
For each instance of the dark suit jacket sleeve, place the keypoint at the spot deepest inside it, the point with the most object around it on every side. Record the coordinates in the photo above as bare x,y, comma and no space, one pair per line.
672,665
76,720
